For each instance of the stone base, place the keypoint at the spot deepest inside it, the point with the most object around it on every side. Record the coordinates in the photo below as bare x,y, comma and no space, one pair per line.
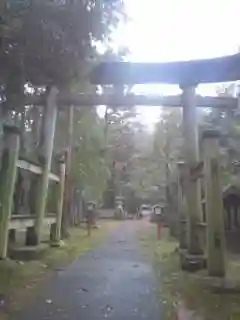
192,263
27,253
31,237
12,236
53,232
57,244
223,286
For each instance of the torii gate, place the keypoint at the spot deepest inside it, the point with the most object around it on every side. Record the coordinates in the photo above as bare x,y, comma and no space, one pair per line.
187,75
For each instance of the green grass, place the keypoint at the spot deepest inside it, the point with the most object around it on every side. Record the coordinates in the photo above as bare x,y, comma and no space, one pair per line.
193,290
17,280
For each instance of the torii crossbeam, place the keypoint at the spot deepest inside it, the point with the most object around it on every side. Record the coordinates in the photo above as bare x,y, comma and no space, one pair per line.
221,69
66,99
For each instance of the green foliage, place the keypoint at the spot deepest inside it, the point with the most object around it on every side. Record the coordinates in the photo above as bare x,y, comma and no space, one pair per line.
228,123
89,169
168,136
192,294
52,41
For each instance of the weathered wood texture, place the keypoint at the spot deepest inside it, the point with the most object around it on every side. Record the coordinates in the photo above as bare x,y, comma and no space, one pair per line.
184,72
191,157
46,148
25,165
20,222
214,205
66,218
60,193
7,183
181,206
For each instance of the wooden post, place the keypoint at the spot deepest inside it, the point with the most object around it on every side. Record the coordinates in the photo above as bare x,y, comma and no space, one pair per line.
214,205
7,184
191,154
66,218
181,206
60,194
46,147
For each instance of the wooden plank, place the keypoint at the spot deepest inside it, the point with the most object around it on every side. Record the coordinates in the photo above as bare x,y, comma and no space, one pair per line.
182,72
20,222
54,177
66,99
25,165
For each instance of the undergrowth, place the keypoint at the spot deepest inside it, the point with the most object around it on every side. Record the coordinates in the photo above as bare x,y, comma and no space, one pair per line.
18,279
188,291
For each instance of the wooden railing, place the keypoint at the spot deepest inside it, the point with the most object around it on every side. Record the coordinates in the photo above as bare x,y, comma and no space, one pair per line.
25,165
8,176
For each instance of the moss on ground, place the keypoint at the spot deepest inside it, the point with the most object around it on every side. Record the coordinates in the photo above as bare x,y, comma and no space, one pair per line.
191,290
18,278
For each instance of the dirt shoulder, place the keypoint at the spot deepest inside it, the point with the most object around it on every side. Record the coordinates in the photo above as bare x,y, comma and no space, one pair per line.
188,295
20,279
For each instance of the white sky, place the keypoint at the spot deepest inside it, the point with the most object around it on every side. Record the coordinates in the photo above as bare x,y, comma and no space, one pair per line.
168,30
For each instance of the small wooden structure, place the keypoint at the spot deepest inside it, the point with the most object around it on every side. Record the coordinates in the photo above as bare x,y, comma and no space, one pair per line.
158,213
34,222
12,221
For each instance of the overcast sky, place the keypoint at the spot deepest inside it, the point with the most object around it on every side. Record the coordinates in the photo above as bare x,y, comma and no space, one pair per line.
168,30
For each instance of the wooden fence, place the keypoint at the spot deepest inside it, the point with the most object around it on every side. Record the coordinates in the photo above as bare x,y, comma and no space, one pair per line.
32,222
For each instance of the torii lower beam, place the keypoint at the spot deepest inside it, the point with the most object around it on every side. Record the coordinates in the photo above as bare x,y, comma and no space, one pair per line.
66,99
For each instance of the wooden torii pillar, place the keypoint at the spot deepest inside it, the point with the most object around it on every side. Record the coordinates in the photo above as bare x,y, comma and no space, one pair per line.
191,158
182,205
46,151
214,205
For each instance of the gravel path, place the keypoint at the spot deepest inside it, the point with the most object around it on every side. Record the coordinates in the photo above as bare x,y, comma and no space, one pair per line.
112,282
